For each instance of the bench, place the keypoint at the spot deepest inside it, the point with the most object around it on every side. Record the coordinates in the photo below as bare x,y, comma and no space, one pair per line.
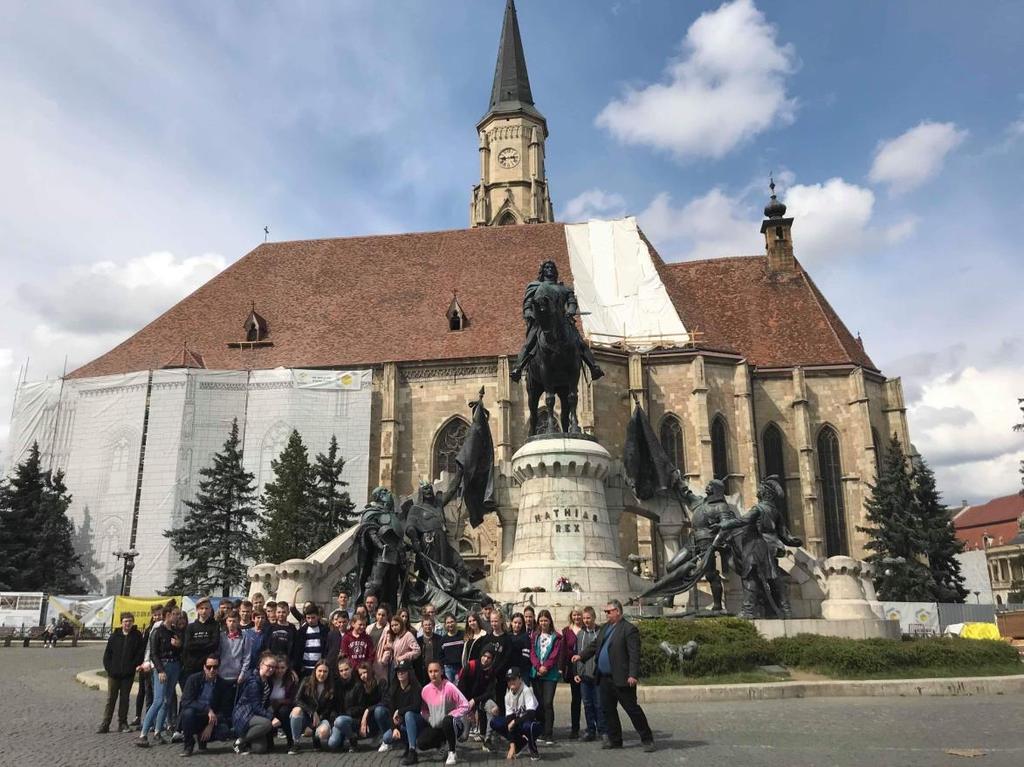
35,632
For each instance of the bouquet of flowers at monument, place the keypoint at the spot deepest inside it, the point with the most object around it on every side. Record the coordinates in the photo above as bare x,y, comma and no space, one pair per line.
563,584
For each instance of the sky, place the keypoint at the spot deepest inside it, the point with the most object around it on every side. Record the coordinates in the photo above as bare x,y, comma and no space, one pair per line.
146,145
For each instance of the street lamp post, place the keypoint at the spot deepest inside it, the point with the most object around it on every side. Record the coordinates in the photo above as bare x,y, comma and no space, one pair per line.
129,565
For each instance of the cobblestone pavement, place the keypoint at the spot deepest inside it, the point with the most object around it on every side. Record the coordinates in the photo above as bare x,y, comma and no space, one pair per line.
49,719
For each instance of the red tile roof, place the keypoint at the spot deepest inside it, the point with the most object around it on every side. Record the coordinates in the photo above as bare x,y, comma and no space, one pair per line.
998,519
774,320
366,300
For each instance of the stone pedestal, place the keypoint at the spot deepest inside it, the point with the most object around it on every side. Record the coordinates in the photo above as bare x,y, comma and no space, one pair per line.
263,580
563,525
297,580
845,598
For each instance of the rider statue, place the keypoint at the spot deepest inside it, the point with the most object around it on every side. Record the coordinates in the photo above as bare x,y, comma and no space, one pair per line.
549,273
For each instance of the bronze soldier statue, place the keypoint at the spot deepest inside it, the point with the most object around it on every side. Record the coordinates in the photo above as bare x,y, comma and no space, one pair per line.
381,540
549,273
761,536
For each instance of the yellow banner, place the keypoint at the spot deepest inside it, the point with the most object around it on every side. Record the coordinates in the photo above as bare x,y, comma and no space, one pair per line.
140,607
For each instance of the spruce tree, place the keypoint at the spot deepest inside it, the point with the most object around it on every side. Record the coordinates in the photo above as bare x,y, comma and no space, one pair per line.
215,542
333,509
941,543
896,538
286,530
35,532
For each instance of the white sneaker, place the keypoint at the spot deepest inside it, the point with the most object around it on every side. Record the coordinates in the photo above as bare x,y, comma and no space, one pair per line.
384,748
451,758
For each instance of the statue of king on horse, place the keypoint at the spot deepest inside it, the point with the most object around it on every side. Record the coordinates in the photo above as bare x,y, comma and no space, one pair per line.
554,351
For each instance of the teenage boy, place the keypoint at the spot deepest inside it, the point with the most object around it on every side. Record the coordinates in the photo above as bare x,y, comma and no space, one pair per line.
202,638
205,703
122,656
356,645
280,639
310,642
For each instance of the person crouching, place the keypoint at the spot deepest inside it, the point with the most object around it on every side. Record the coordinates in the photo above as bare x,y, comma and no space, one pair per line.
519,725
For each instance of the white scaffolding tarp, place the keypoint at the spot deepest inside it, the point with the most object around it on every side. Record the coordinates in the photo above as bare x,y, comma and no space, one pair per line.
617,283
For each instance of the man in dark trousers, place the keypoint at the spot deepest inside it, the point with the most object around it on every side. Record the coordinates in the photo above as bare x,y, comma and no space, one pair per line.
124,653
202,638
206,703
617,650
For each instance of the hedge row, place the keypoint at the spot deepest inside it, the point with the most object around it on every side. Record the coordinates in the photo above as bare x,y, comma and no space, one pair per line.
729,645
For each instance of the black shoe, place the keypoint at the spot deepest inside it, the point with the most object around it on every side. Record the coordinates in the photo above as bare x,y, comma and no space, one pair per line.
187,751
588,737
410,757
136,722
649,747
103,730
142,743
574,735
123,728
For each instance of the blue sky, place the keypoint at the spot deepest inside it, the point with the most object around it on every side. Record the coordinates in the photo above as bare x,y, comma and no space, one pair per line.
147,144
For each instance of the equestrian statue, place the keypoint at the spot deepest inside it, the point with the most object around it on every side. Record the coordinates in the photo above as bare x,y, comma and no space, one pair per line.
554,351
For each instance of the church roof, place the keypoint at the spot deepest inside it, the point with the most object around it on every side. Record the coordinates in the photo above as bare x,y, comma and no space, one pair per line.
774,320
366,300
511,89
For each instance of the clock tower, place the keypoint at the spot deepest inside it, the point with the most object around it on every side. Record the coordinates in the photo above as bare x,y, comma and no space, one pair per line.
513,187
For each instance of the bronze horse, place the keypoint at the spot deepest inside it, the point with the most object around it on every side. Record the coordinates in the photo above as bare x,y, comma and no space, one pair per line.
555,368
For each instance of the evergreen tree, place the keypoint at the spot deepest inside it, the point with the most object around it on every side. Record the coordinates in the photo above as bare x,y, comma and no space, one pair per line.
333,509
941,543
215,542
36,545
896,539
287,528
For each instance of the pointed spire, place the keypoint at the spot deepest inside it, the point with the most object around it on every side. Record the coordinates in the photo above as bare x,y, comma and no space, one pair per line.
511,90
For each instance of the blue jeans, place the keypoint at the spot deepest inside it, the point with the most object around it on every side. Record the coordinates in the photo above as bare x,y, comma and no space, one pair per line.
345,727
592,707
411,726
304,720
156,715
451,672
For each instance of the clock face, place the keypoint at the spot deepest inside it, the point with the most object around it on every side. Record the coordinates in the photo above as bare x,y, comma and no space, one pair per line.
509,158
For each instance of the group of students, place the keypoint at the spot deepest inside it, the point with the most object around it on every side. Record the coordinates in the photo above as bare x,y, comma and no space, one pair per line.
251,674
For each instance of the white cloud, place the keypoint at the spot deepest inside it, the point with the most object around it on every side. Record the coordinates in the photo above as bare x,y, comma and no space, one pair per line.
710,226
111,297
830,218
962,425
593,203
912,158
728,85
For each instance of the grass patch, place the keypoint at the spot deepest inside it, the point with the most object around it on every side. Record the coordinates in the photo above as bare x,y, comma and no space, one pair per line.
739,677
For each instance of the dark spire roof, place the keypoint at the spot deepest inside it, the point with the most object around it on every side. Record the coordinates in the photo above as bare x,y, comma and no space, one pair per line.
511,90
774,208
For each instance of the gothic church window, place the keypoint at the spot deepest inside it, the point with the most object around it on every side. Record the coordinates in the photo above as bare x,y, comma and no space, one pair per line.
830,471
876,441
771,443
507,219
447,444
720,450
671,438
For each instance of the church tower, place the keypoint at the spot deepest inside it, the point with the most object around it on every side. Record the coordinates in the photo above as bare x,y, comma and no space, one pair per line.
513,186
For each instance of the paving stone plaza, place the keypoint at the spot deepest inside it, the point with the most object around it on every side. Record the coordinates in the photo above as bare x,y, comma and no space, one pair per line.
51,719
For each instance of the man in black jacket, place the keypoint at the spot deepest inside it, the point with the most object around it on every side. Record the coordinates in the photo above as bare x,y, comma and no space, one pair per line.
617,650
124,653
206,703
310,644
202,638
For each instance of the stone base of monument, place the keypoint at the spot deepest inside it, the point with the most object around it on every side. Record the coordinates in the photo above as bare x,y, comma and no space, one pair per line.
858,628
563,528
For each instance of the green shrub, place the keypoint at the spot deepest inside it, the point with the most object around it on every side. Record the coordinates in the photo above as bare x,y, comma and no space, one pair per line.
732,645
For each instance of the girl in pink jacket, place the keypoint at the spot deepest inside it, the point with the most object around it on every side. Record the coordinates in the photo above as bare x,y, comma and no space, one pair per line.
443,708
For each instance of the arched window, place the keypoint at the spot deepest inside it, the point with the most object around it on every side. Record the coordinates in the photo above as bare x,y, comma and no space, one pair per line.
774,463
671,437
507,219
447,444
830,470
877,442
720,450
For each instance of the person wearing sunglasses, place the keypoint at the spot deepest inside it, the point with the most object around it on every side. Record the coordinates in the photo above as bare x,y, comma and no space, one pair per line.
205,703
617,649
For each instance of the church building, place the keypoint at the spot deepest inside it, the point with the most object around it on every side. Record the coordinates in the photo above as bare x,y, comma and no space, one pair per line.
743,366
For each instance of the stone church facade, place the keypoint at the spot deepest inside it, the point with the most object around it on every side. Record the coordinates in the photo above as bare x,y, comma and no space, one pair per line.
765,380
